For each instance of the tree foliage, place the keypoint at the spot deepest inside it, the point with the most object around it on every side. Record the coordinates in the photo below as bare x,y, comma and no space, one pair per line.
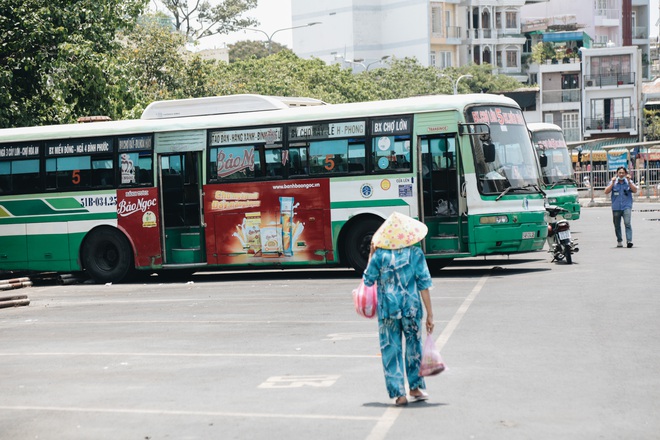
200,18
246,49
55,58
652,124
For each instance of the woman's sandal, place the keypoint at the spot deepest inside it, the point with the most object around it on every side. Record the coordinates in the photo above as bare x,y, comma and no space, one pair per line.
419,397
401,401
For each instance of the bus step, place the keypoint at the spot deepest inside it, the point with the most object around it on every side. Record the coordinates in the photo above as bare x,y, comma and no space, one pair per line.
187,256
454,253
443,244
444,237
190,240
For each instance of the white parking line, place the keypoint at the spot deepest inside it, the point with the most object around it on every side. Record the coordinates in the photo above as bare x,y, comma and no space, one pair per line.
388,419
197,355
183,413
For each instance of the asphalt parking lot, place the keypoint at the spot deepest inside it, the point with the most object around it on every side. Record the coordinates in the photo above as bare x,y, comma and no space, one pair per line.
535,350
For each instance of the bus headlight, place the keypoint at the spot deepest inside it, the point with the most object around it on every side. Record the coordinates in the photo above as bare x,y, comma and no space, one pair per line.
493,219
552,200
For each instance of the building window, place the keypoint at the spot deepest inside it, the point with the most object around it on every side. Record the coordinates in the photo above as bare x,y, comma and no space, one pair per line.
610,114
444,59
512,58
511,20
432,59
436,19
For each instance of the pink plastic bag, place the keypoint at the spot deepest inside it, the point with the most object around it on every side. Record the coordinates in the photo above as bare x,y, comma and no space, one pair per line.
432,363
366,300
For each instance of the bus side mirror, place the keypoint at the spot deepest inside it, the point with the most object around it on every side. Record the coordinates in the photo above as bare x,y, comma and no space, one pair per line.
543,160
489,152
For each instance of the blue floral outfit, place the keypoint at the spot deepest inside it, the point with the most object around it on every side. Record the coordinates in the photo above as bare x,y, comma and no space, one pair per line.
400,275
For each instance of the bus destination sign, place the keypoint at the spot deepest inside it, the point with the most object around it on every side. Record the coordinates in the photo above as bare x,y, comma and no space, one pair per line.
246,136
85,146
19,151
325,131
135,143
391,126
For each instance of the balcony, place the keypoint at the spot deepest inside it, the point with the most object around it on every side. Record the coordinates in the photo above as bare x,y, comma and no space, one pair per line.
640,33
611,124
558,96
481,34
607,17
610,79
449,35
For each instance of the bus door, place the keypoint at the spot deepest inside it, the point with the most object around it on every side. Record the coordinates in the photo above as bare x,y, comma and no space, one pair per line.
441,199
181,205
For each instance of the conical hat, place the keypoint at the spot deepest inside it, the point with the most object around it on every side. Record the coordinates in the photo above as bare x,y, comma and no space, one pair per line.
399,231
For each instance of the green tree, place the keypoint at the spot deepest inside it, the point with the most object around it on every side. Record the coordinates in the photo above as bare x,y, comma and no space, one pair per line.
483,80
652,124
199,18
54,57
543,51
246,49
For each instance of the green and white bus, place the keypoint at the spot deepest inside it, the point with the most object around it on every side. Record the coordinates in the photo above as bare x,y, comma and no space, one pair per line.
251,181
558,179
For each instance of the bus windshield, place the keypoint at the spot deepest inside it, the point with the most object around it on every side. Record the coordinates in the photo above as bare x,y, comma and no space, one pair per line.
559,169
514,165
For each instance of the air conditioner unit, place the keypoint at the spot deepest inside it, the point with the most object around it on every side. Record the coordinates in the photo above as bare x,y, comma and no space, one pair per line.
590,83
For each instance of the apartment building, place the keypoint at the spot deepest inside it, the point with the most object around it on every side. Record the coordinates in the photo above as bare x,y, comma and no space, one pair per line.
612,92
613,22
437,33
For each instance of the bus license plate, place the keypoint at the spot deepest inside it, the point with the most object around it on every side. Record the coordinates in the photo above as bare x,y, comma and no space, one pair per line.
529,234
564,235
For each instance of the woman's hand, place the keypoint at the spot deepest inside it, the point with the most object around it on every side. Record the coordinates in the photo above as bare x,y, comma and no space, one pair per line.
429,324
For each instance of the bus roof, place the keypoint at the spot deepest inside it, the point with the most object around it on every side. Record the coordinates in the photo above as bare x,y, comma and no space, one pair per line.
542,126
422,104
221,105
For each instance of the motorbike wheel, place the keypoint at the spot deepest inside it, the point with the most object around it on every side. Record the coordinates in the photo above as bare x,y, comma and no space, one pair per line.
567,254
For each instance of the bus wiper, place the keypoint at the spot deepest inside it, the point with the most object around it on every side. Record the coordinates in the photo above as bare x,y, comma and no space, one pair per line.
519,188
564,180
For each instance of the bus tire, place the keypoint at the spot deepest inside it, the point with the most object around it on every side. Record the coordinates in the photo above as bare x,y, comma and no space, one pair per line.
107,256
358,242
437,264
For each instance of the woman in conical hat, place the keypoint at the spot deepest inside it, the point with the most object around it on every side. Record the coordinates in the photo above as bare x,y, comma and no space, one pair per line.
403,279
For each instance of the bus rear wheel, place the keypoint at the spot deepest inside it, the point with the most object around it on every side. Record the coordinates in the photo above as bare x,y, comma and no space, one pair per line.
437,264
358,243
107,256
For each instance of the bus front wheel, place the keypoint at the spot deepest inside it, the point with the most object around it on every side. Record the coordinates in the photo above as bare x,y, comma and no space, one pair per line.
358,243
107,256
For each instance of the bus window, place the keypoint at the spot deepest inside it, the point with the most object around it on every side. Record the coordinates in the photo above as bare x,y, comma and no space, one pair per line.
136,161
68,172
136,168
329,156
391,153
356,158
273,162
102,173
19,176
5,177
298,163
232,163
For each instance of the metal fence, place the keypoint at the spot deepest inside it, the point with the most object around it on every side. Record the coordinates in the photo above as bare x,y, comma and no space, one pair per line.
648,180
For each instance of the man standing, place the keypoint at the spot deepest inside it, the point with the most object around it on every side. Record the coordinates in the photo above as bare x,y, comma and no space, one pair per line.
622,188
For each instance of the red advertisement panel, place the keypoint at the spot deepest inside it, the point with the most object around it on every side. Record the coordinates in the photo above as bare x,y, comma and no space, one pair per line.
268,222
137,215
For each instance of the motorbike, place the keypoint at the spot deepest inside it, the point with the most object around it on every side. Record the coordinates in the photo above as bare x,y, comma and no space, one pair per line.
560,243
